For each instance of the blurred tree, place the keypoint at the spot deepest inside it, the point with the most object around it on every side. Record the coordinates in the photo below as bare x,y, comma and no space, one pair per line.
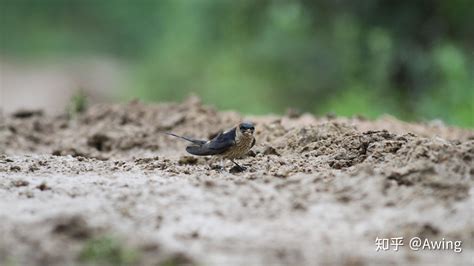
413,59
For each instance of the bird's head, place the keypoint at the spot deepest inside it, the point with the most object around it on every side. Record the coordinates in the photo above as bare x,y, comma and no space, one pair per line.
246,128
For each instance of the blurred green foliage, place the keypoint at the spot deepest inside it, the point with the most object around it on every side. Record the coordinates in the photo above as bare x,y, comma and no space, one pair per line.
412,59
77,104
107,250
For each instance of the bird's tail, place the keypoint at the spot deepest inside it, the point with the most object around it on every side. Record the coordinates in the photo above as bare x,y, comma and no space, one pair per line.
195,141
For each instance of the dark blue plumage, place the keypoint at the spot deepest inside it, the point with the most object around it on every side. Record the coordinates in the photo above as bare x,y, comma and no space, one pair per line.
231,144
218,145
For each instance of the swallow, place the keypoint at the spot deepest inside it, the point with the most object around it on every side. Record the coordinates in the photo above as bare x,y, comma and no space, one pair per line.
231,144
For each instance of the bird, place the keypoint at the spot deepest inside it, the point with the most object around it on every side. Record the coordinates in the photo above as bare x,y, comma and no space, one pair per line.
231,144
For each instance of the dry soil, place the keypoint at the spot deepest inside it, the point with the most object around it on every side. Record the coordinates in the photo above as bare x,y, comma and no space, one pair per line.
106,186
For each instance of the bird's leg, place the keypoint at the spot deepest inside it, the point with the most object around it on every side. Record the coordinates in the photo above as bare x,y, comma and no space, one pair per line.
240,167
222,164
219,167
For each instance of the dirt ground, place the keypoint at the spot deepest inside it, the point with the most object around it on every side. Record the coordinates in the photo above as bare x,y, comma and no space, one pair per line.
107,187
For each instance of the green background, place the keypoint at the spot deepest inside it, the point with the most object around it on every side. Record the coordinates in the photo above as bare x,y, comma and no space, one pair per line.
411,59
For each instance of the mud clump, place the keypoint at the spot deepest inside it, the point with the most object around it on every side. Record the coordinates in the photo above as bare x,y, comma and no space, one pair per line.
43,186
27,113
100,142
270,151
187,160
20,183
74,227
311,181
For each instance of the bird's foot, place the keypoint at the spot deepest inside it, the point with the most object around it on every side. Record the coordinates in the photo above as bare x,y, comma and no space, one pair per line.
237,169
218,168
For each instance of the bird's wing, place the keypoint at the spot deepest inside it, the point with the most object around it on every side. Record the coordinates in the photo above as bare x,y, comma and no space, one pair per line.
217,145
223,142
253,142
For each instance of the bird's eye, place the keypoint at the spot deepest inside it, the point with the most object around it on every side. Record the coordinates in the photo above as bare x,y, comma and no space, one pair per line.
246,126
